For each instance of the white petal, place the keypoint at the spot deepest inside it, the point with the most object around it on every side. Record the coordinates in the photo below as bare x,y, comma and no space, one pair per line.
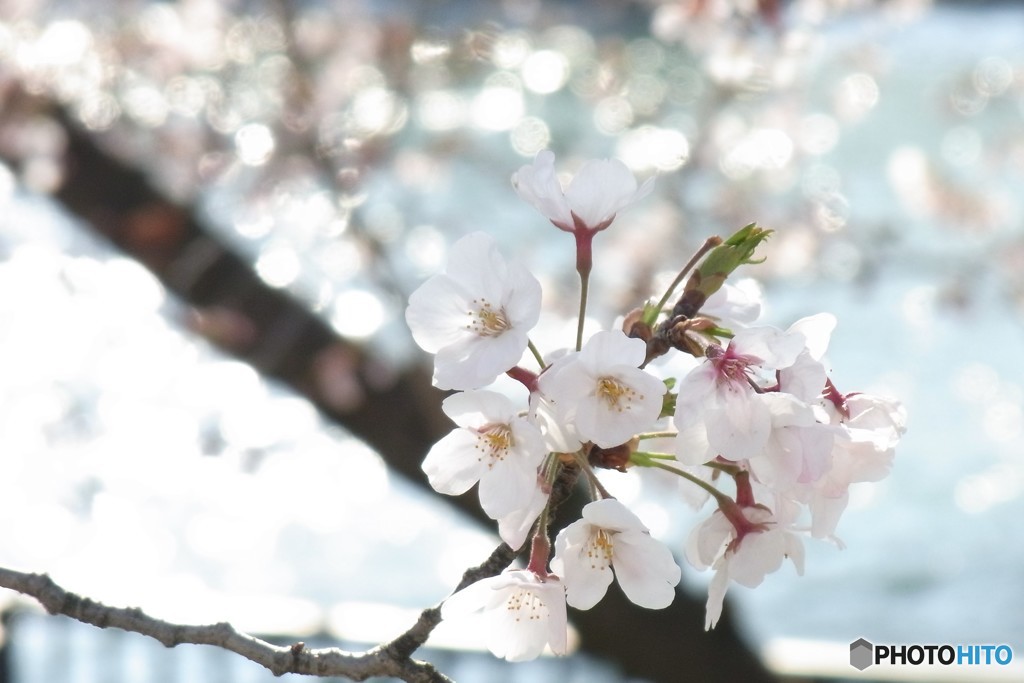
436,313
817,330
583,568
478,408
453,464
716,596
758,554
805,378
514,527
707,539
739,426
775,348
472,598
522,297
587,586
612,348
507,487
645,569
475,263
532,616
609,513
477,361
538,184
600,189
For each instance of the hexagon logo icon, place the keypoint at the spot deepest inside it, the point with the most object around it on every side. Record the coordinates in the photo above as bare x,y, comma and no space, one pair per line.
861,654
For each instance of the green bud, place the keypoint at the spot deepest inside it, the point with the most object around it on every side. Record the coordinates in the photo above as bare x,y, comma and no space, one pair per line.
719,264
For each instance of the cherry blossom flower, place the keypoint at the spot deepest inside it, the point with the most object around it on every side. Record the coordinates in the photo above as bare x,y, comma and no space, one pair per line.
492,445
522,613
610,537
599,190
865,441
799,448
475,316
602,391
746,556
718,410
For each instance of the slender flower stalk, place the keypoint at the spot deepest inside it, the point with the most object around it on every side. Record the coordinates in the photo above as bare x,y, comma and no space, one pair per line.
651,314
719,497
584,291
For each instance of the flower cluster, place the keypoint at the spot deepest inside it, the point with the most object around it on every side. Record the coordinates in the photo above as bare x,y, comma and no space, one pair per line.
756,423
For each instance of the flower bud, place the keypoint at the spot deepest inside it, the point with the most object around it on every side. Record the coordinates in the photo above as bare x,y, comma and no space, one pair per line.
717,266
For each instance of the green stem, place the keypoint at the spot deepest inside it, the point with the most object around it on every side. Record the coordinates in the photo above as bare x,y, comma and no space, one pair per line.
719,497
597,489
709,244
657,435
536,354
654,456
584,288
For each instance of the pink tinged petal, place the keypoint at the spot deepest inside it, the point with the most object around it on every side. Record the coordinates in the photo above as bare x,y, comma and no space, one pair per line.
707,539
816,453
645,569
825,514
738,428
695,394
805,378
758,554
453,464
716,596
692,446
882,415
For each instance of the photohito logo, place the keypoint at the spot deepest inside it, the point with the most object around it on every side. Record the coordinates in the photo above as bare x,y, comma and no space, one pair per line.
863,654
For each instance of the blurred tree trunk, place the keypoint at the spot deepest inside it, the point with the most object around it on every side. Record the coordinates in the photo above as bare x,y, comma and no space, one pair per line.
397,414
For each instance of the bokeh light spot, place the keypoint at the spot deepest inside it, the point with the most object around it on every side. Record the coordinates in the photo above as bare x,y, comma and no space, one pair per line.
254,144
545,71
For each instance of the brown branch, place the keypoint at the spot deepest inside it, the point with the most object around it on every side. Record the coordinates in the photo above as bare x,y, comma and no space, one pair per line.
391,659
296,658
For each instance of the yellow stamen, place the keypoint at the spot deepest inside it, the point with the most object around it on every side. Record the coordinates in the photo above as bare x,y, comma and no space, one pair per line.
494,442
486,321
599,550
617,395
528,601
